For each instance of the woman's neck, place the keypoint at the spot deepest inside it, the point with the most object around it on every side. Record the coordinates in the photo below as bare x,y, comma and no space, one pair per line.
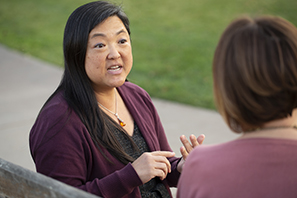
107,97
282,128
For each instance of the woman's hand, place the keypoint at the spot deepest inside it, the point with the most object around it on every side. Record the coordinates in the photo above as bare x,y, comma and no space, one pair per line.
153,164
188,147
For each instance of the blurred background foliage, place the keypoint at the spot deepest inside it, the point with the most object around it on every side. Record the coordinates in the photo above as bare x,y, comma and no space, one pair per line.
173,41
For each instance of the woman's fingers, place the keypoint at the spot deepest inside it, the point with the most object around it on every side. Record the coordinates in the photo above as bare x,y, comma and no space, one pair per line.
194,141
183,152
161,157
154,164
188,147
161,170
187,144
163,153
201,138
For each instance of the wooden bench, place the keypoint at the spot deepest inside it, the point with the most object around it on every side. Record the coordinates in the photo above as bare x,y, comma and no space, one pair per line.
16,182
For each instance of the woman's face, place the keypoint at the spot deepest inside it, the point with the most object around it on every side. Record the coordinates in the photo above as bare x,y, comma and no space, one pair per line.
109,54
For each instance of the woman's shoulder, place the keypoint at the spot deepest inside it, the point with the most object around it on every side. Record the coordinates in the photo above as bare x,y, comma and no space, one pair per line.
131,90
240,148
213,152
57,120
55,114
55,107
129,86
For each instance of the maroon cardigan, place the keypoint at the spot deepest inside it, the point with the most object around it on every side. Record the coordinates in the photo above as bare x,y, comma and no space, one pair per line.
62,148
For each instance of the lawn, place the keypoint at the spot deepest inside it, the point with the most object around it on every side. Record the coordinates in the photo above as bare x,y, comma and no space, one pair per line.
173,41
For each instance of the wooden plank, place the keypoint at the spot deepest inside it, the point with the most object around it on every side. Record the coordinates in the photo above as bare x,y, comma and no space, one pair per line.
16,182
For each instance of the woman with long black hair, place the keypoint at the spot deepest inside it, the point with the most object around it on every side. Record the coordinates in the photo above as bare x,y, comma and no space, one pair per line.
99,132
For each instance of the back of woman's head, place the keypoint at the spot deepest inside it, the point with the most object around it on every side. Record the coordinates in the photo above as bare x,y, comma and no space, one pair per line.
255,72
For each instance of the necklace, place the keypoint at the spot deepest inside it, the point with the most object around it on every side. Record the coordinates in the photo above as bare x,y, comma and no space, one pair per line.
271,128
116,109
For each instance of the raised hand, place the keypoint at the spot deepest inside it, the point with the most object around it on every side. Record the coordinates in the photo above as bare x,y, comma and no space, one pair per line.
153,164
188,147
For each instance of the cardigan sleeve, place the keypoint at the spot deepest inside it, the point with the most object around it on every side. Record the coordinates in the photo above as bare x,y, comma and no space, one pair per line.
62,148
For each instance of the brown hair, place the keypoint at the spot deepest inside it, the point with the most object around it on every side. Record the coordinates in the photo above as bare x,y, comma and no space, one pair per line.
255,72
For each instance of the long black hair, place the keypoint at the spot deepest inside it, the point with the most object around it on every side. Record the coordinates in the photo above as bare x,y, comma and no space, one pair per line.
75,83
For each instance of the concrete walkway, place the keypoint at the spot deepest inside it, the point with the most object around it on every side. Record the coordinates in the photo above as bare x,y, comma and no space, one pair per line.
25,84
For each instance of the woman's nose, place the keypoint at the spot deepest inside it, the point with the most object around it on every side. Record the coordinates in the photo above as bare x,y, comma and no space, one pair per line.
113,53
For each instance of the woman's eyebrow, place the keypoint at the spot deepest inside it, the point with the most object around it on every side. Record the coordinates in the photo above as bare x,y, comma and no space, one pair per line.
103,35
98,34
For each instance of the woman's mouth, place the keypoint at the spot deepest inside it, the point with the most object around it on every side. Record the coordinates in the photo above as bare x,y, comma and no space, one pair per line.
115,68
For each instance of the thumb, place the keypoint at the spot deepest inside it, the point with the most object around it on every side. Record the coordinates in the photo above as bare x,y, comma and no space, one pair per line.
184,152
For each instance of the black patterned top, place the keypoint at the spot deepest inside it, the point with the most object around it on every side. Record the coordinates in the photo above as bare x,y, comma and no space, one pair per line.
154,188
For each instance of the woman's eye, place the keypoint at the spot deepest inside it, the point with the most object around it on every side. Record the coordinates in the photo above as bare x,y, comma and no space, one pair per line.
99,45
122,41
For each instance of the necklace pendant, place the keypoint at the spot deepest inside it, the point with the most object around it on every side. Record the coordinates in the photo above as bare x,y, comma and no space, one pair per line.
122,123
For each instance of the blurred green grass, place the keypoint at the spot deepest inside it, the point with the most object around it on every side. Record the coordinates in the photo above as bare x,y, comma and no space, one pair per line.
173,41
